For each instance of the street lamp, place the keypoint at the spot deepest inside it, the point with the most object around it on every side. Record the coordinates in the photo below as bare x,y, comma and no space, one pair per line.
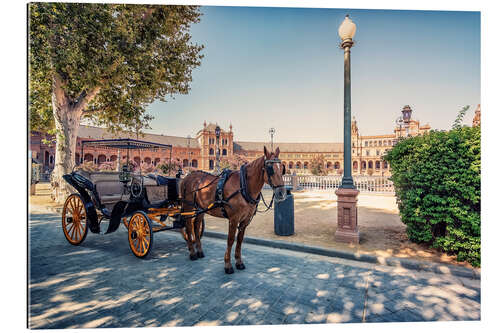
347,219
272,131
217,153
399,122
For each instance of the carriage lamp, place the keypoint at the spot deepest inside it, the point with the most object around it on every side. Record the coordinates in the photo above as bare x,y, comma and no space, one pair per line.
347,219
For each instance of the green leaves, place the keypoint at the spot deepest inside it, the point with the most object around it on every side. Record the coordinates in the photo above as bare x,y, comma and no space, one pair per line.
134,54
438,183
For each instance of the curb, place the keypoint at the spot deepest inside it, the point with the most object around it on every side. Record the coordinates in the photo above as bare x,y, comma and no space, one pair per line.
392,261
416,265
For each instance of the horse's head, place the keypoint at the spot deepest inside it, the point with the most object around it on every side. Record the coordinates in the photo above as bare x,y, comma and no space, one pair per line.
273,172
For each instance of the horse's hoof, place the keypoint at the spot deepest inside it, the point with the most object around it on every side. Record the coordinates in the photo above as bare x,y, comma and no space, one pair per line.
229,270
193,257
200,254
240,266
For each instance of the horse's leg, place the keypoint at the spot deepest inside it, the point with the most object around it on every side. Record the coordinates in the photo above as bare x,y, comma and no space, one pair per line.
228,268
197,235
189,232
239,241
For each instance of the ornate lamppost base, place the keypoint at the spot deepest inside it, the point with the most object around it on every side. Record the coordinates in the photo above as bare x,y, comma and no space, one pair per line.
347,216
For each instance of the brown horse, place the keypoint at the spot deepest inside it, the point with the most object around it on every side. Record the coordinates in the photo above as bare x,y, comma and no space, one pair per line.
198,191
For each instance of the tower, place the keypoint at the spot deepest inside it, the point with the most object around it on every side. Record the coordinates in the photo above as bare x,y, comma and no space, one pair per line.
406,113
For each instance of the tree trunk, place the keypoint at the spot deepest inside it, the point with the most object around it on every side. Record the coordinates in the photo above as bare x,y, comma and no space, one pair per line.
67,121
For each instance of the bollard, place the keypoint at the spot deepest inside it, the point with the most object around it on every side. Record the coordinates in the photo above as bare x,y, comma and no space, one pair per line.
284,215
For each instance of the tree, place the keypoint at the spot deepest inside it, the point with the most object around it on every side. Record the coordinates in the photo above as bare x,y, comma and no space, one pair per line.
318,165
459,119
104,63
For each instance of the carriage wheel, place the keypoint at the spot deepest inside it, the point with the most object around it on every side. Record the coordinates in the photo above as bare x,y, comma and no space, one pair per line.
140,234
74,219
184,233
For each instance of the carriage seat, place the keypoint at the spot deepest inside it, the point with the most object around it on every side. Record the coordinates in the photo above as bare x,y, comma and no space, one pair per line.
108,186
170,184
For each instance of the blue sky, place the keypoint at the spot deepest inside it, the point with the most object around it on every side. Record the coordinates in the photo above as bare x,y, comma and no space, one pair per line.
282,68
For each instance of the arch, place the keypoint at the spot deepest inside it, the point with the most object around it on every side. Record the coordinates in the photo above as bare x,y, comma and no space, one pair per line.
370,164
290,165
51,159
185,163
377,164
363,165
355,165
329,165
336,165
88,157
224,152
147,160
211,151
385,164
298,165
157,161
306,165
385,142
137,160
380,142
194,163
113,158
46,158
211,164
101,158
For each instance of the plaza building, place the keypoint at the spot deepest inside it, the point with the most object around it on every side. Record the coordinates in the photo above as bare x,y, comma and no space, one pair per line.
200,152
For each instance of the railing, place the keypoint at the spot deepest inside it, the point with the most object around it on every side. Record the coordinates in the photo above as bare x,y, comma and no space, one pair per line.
375,184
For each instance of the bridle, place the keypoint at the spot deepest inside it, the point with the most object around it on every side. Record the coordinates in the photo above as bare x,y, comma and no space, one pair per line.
268,169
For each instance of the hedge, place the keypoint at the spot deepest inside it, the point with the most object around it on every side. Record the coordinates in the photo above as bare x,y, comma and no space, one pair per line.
437,179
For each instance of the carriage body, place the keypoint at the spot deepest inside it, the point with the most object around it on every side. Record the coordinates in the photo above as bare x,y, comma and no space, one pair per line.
145,204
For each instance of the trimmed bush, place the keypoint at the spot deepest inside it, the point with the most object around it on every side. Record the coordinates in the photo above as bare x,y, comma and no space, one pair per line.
437,179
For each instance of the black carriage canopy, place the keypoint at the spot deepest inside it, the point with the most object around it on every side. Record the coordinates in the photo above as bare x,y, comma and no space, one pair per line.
127,144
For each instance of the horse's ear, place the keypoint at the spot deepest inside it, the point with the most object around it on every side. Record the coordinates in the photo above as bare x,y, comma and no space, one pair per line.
266,153
277,152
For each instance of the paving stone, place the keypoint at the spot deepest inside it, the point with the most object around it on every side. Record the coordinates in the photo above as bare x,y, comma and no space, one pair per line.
101,284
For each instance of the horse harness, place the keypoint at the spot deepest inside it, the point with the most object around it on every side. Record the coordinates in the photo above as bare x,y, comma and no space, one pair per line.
219,192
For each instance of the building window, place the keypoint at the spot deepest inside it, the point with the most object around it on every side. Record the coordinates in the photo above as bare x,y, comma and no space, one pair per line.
378,152
224,152
377,165
194,163
211,164
367,152
380,142
51,159
385,164
370,165
306,165
211,151
366,143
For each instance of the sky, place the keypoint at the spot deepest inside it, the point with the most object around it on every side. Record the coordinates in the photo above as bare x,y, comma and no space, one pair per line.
282,67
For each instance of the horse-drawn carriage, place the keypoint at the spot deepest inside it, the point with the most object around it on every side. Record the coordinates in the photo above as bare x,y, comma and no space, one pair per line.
145,204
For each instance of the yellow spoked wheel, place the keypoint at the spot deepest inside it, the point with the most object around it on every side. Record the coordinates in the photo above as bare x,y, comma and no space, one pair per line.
74,219
202,229
140,234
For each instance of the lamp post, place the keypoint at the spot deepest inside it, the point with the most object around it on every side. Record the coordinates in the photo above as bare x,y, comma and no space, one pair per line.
217,153
347,219
399,121
272,131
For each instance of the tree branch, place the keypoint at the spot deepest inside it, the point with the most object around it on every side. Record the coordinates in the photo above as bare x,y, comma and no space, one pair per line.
85,98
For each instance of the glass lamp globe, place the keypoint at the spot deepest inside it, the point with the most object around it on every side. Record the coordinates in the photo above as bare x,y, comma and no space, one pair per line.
347,29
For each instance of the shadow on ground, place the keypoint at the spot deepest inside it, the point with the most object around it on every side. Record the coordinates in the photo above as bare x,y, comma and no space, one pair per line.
101,284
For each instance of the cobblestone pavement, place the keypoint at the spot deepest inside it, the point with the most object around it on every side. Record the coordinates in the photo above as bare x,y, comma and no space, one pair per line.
102,284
